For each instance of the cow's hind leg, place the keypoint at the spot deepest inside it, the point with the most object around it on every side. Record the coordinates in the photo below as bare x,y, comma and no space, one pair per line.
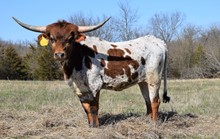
91,108
150,92
154,98
145,93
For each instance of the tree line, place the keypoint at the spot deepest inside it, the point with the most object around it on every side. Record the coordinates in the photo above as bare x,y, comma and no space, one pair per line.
21,62
193,52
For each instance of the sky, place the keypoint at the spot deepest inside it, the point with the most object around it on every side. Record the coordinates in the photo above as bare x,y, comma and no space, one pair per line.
202,13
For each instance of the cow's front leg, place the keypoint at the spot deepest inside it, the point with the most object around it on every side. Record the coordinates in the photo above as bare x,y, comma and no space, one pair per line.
91,108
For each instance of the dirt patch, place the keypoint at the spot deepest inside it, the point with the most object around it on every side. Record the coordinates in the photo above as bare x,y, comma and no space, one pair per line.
68,123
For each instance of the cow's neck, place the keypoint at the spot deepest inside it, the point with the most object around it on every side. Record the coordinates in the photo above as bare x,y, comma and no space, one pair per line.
79,55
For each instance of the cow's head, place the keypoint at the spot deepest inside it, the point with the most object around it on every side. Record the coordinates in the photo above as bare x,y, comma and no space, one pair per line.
61,36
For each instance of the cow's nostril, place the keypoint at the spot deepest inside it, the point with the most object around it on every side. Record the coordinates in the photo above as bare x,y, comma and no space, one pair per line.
59,55
62,55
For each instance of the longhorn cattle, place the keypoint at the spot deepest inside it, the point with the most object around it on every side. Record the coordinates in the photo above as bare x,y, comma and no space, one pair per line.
91,64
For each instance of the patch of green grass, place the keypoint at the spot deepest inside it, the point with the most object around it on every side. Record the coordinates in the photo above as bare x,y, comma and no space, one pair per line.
199,97
33,95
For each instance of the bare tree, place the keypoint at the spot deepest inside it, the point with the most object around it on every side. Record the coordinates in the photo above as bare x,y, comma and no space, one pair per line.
119,28
182,53
125,23
165,26
211,41
105,32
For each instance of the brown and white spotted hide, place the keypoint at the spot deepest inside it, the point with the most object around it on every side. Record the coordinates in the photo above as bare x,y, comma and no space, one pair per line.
97,64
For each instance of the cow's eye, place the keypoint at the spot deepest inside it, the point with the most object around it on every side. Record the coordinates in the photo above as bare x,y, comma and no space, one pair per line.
52,40
66,44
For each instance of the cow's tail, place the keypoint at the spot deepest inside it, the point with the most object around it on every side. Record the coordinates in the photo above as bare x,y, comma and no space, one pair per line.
165,97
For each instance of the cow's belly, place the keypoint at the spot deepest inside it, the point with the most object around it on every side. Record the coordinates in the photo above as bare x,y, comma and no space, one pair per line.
118,86
123,81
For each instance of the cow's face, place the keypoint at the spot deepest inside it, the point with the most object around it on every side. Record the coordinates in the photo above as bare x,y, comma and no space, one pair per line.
61,36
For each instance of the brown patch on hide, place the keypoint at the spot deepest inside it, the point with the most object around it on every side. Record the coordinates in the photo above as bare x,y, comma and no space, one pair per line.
113,45
118,64
127,50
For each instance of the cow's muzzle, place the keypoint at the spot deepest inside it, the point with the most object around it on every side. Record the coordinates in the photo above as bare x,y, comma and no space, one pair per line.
59,55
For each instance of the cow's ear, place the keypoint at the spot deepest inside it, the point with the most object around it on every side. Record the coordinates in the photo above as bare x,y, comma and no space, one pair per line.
81,37
43,40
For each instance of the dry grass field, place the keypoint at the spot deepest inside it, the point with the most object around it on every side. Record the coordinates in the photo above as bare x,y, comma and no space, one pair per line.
41,109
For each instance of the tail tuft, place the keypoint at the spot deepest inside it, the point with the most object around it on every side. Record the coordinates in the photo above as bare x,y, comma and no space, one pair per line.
166,98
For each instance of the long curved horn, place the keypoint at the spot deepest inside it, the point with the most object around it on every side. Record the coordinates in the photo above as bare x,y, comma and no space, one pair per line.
83,29
41,29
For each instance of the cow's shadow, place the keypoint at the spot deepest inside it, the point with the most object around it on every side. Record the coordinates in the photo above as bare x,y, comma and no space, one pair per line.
109,119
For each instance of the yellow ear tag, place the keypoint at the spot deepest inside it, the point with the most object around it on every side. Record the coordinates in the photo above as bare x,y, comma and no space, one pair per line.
44,41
